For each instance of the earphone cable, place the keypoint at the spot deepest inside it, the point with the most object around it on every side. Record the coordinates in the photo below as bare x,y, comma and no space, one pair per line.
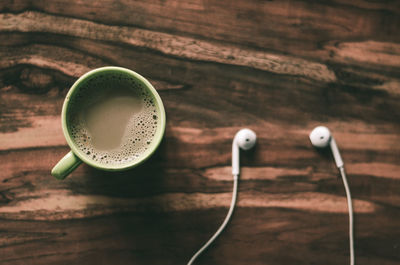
223,225
350,206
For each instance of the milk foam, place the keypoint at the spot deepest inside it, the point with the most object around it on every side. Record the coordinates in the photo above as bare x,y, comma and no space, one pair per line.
140,128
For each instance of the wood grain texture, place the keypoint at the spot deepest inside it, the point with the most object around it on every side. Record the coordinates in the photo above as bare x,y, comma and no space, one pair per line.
277,67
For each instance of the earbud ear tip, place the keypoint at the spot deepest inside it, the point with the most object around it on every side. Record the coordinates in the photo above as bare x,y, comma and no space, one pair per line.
320,136
246,139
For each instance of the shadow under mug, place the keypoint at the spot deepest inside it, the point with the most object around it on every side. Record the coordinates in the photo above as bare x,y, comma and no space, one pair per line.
76,156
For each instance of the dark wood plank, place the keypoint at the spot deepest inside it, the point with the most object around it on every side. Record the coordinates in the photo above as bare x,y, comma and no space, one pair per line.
278,67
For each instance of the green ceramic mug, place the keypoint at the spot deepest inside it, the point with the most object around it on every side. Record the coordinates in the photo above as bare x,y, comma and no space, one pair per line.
78,154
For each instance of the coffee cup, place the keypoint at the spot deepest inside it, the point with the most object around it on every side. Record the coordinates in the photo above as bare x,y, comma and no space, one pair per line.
112,119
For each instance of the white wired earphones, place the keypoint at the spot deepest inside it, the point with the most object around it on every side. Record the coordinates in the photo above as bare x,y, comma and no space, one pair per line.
244,139
321,137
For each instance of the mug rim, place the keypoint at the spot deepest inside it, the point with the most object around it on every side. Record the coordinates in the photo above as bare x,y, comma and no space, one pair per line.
113,167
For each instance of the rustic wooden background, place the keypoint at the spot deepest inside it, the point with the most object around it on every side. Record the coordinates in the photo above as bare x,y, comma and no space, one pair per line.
277,67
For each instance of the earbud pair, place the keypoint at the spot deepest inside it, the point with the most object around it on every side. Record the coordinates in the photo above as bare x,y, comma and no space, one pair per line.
320,137
246,139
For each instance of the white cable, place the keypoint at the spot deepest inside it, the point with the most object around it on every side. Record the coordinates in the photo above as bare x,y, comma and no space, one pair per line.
350,206
228,216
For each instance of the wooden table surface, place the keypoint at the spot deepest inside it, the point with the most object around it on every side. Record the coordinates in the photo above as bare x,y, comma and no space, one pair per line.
277,67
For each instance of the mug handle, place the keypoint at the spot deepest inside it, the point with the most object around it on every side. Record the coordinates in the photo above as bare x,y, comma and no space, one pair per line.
65,166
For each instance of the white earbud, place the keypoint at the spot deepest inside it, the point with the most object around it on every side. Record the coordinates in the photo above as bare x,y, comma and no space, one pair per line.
321,137
244,139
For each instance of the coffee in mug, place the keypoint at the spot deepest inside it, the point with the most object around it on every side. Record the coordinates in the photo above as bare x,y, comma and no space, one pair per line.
113,119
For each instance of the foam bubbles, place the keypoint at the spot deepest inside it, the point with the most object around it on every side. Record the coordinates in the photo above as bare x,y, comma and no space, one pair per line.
140,130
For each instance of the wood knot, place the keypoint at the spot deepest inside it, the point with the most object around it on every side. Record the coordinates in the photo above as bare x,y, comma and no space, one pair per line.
35,80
